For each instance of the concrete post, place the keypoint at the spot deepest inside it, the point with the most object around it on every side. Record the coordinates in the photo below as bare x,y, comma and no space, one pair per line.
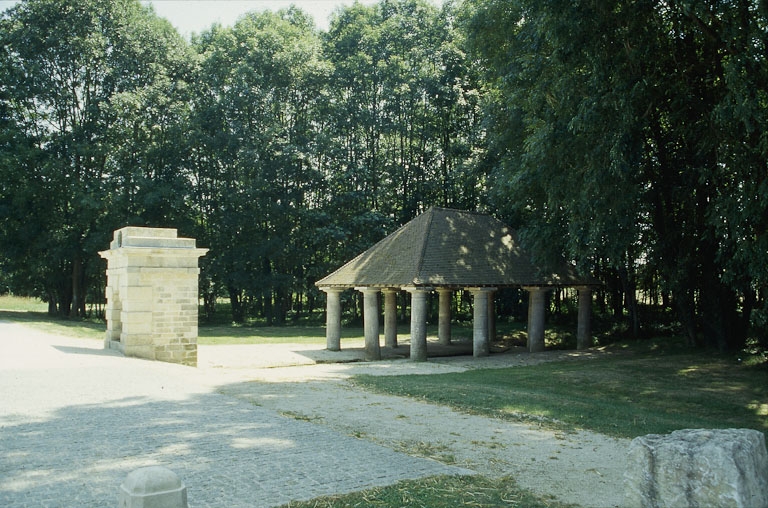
418,322
371,323
152,294
444,316
332,318
480,342
390,317
536,310
152,487
584,329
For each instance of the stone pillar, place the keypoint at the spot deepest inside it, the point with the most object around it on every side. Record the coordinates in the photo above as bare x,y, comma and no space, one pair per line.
584,329
444,316
332,318
480,342
536,311
419,322
491,316
390,317
371,323
152,294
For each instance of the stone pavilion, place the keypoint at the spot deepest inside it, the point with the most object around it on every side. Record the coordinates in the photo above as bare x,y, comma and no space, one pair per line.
445,250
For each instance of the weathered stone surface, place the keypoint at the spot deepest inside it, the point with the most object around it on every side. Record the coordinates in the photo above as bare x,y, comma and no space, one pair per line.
153,487
152,294
698,468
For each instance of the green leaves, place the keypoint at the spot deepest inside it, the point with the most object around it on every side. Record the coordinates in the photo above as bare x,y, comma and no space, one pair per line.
616,126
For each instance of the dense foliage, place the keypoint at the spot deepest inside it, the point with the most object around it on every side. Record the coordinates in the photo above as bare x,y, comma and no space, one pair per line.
632,136
627,136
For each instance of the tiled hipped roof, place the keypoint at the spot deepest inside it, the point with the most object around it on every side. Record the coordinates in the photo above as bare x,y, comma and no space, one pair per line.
449,248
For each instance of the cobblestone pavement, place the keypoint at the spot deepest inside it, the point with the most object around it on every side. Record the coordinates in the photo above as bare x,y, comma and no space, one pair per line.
75,420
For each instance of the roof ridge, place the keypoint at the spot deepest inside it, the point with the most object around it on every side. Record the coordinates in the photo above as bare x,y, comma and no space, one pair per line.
449,209
424,243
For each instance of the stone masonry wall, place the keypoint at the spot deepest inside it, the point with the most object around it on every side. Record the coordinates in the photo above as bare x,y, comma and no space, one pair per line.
152,295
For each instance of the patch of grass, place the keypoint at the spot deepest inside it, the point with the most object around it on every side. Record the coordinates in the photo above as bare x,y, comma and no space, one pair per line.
623,395
34,313
438,452
22,304
437,492
299,416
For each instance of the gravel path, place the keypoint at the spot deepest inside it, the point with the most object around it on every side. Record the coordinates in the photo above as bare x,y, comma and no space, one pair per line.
584,468
260,425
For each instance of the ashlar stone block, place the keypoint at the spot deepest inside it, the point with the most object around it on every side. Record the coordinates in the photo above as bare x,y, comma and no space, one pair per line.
152,288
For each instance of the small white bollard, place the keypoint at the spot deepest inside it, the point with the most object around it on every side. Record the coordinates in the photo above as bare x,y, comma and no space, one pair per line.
153,487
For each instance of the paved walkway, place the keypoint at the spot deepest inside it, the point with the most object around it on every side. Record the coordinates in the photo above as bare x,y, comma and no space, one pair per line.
75,420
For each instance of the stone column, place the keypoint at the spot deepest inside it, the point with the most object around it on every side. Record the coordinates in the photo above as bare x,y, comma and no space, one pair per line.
332,318
390,317
444,316
584,329
152,294
480,342
371,323
536,310
491,316
419,322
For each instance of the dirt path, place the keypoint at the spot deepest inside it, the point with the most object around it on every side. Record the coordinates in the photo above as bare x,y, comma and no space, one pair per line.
578,467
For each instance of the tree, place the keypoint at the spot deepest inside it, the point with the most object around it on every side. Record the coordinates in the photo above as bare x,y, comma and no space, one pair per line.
260,84
72,72
616,139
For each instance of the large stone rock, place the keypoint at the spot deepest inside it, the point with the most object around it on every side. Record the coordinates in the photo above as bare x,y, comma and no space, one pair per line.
698,468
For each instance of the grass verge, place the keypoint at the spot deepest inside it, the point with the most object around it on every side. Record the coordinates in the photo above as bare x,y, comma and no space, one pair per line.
622,395
437,492
34,313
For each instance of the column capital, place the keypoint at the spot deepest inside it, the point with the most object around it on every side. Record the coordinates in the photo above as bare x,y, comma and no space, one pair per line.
367,289
418,289
537,288
482,289
331,289
389,290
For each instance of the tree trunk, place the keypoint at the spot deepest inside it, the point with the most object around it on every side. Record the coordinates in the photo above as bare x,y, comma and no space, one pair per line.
77,310
236,302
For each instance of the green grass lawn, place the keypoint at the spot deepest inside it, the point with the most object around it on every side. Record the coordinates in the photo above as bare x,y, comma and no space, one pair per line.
625,395
34,313
437,492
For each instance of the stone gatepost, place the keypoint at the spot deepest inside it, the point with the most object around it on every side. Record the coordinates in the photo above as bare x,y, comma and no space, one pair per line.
152,294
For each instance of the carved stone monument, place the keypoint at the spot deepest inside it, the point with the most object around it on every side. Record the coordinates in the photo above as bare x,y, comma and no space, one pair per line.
152,297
